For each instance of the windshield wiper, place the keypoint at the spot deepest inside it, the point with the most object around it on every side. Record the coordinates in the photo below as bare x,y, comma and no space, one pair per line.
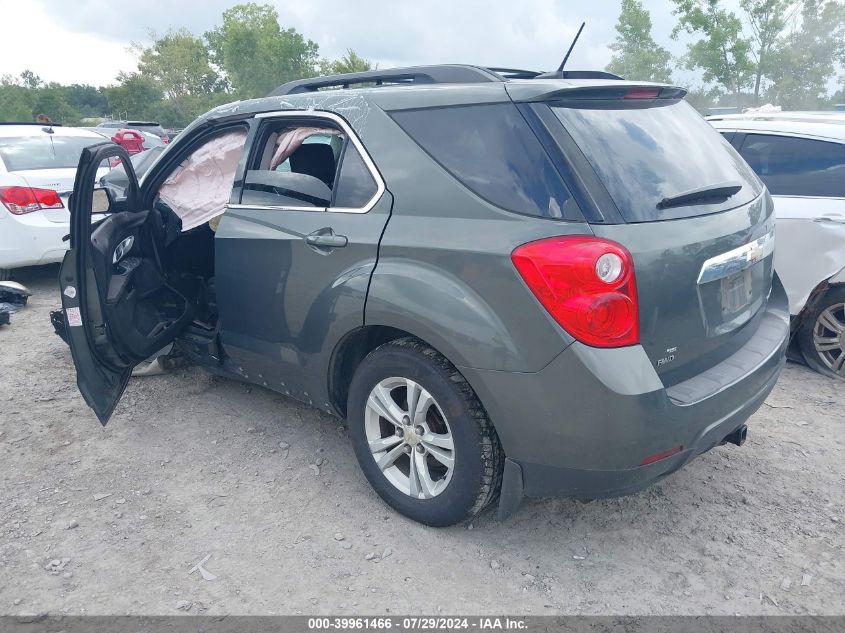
709,194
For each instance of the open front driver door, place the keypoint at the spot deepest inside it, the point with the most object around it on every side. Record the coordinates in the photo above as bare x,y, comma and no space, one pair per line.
118,307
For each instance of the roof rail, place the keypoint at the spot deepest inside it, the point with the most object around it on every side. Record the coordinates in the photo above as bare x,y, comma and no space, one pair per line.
443,74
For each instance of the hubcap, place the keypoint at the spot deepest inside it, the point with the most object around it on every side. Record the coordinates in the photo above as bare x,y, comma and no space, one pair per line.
829,338
409,438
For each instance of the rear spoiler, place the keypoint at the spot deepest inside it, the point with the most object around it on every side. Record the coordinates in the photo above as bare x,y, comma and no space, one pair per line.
603,92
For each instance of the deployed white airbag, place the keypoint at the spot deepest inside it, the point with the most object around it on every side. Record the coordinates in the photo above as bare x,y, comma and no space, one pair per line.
291,139
199,188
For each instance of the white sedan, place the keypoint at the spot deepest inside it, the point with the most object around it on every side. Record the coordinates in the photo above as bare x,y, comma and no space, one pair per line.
37,169
801,159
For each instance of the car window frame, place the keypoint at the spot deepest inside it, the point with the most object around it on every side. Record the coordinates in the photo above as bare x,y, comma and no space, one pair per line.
310,116
741,136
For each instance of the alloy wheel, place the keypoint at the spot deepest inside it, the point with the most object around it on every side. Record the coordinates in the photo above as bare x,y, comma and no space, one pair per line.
829,338
409,437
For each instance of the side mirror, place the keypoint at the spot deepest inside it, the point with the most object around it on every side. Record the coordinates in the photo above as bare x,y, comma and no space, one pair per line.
102,202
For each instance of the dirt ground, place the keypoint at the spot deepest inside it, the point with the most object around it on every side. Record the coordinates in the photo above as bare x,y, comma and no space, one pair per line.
112,521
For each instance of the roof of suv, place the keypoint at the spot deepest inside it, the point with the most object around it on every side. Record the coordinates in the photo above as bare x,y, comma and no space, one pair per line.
822,128
814,116
420,86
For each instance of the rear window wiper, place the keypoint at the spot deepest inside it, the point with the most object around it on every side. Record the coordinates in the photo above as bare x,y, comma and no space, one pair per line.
709,194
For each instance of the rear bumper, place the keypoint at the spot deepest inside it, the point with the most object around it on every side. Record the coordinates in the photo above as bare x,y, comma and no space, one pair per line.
583,425
30,240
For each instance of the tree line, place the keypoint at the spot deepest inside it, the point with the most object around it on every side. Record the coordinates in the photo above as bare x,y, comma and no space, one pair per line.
784,52
181,75
787,52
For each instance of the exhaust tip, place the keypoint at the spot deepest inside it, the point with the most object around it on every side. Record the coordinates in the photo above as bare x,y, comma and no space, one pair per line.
738,437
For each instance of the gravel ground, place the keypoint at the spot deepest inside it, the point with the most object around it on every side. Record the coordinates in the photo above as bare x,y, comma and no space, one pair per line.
267,492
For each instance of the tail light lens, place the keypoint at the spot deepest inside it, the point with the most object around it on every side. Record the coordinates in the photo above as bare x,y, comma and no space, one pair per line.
587,284
22,200
643,93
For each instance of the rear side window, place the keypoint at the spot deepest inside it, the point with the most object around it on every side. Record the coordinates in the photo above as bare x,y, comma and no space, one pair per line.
355,184
644,153
797,166
493,152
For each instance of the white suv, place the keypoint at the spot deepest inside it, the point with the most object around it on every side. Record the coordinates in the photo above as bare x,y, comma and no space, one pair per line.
37,169
800,156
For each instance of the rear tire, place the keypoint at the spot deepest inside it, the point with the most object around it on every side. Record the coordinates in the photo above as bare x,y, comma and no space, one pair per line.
5,274
821,335
413,445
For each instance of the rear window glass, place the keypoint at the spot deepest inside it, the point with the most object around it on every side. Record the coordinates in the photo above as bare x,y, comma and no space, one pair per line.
43,152
797,166
645,154
493,152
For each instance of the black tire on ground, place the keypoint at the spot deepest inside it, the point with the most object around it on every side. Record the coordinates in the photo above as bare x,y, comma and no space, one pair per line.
834,296
5,274
479,458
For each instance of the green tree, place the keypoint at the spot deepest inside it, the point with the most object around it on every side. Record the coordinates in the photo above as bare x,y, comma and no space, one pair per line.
133,96
767,20
804,61
635,53
89,101
16,101
50,99
722,52
349,63
256,54
30,79
179,62
702,98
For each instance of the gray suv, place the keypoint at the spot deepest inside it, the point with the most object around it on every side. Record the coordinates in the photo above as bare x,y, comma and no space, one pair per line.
509,283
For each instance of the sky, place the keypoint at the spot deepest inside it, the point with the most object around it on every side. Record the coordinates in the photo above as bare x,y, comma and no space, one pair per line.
87,41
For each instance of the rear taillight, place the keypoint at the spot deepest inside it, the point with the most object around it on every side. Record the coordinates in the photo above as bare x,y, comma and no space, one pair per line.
587,284
21,200
165,140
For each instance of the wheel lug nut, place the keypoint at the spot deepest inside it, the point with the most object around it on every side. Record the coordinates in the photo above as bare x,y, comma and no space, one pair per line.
399,433
420,448
406,420
407,449
419,430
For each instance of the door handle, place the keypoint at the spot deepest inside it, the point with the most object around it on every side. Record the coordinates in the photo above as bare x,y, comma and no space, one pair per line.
326,238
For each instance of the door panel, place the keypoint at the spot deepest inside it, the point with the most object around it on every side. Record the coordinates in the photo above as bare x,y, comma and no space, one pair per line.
288,290
118,306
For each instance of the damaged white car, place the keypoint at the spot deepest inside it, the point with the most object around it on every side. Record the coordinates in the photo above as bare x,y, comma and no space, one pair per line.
801,159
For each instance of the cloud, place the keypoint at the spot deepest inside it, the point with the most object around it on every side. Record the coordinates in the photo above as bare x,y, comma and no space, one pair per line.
88,38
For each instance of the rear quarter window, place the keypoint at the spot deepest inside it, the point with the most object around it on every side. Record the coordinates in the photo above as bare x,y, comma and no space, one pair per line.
792,166
492,151
645,152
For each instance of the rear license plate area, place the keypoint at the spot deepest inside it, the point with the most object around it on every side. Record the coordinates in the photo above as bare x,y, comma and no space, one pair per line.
736,291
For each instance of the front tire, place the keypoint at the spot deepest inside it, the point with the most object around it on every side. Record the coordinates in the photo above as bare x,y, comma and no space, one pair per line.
421,436
822,334
5,274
